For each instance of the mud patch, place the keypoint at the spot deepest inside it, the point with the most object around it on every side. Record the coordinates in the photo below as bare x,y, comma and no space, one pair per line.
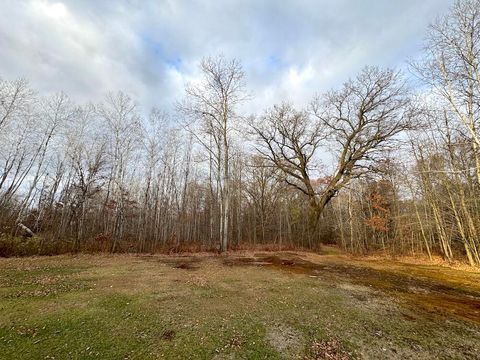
363,282
448,305
168,335
290,262
181,262
186,262
186,266
243,261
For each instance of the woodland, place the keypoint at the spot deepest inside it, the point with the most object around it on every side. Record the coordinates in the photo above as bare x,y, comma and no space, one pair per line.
388,163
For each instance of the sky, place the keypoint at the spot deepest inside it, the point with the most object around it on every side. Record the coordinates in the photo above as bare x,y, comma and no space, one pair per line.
290,49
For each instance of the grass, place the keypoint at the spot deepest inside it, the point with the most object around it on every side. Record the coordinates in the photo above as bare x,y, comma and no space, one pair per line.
248,306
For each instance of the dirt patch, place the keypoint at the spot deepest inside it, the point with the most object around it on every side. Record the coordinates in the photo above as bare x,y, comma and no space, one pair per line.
168,335
329,349
426,294
289,261
449,305
186,266
364,294
240,260
285,340
177,262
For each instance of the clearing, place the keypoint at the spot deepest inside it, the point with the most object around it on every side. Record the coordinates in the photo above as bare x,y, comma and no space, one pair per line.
280,305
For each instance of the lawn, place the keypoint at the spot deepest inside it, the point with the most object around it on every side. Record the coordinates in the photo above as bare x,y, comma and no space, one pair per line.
238,306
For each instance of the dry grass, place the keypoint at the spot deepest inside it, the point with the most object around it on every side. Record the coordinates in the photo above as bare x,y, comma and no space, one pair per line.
246,305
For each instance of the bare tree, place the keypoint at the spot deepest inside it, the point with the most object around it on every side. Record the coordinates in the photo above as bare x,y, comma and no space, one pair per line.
103,178
15,100
86,154
54,113
263,189
213,101
289,140
359,121
452,66
155,134
123,124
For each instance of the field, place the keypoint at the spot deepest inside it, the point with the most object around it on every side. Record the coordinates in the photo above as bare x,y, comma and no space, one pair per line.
239,306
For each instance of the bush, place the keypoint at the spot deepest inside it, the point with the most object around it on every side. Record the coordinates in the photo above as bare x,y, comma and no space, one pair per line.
19,246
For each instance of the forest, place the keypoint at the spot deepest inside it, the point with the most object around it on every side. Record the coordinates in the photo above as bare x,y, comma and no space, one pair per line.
240,179
388,162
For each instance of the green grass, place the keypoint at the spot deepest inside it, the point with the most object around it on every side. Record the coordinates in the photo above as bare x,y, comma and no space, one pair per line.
127,307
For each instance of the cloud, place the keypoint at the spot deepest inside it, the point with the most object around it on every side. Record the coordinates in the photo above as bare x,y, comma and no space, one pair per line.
290,49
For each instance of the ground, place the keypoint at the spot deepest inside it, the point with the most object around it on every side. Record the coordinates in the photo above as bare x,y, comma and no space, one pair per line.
238,306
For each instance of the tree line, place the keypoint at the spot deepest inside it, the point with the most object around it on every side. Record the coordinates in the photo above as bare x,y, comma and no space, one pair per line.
385,162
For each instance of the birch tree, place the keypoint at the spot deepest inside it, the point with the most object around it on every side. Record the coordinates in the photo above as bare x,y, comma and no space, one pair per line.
119,113
212,103
452,66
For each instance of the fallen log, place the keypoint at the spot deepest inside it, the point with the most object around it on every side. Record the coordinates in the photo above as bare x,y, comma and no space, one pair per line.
26,230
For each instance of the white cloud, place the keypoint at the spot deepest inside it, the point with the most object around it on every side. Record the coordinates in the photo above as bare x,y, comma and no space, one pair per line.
290,49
